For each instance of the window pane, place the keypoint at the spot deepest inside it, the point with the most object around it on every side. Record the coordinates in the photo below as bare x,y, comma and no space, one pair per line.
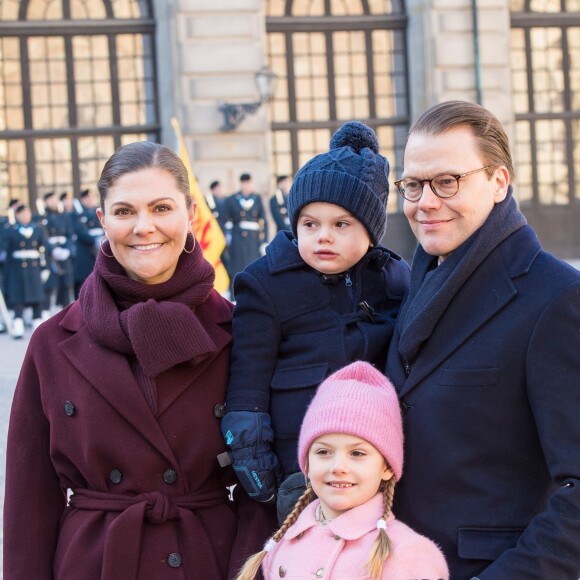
53,167
519,71
93,81
547,69
137,83
48,81
551,162
311,142
9,10
44,10
576,154
131,8
87,9
13,172
574,52
93,153
523,162
282,153
10,85
311,76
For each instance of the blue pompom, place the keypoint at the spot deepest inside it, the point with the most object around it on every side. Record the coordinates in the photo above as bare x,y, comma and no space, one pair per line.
355,135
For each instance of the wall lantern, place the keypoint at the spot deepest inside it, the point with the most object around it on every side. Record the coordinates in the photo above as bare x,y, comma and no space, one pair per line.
235,113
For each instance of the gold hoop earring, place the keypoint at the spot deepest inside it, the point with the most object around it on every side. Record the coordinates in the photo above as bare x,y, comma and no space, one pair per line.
105,239
192,247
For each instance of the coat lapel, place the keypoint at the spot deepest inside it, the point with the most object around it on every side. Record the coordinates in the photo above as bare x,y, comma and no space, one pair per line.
103,368
486,292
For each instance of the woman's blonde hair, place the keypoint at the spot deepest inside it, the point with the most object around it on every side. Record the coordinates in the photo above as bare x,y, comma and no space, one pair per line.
379,553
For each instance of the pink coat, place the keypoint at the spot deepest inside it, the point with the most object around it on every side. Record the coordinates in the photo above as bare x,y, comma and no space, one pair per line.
341,549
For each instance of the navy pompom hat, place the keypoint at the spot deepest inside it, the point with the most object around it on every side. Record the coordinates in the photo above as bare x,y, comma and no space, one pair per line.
352,175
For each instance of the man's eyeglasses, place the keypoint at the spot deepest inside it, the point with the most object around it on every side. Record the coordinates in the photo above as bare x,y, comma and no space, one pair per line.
443,185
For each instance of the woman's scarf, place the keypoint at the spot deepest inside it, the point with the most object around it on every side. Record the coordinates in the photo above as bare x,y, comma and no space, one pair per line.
155,323
432,290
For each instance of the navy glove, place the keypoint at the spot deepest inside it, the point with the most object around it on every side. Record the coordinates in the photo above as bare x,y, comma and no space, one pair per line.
249,436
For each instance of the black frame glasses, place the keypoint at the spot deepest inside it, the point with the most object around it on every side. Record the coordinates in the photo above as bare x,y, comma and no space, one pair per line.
454,186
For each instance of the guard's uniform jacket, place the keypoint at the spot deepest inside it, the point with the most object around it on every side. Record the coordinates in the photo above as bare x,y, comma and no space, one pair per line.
293,327
279,210
59,232
249,230
25,259
88,234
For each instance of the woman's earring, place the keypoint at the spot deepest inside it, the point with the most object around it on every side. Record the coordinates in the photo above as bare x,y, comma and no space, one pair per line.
105,239
193,245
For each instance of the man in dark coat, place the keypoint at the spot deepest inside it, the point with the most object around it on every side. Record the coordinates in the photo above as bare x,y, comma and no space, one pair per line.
245,211
485,359
279,203
216,202
88,233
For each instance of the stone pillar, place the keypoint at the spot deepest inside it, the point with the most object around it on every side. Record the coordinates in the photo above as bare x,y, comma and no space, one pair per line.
220,47
442,62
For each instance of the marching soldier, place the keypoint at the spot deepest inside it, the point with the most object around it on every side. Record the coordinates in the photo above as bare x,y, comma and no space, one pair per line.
5,223
279,203
59,230
25,245
88,232
245,211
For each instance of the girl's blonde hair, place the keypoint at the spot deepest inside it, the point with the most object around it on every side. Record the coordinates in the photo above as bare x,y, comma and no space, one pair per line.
252,566
379,553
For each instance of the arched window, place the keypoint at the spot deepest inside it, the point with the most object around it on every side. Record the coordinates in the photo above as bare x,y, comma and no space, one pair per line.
77,80
337,60
545,48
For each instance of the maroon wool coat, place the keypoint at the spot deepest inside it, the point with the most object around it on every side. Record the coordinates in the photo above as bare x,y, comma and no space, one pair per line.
79,421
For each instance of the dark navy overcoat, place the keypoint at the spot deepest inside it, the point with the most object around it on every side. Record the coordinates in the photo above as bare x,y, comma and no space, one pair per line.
293,328
492,427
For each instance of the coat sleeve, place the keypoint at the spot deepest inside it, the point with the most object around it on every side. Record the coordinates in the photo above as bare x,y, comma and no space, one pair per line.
548,548
256,337
247,426
34,500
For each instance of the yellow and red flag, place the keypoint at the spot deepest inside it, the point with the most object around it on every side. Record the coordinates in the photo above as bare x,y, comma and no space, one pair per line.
206,228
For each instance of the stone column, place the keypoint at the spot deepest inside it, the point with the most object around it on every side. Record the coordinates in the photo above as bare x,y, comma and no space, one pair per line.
442,61
220,47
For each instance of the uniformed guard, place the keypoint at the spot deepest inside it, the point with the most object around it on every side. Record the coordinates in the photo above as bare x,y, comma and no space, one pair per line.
59,287
88,232
25,244
279,203
5,222
216,202
245,211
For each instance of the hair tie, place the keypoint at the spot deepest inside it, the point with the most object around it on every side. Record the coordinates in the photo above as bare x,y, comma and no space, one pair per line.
270,545
382,524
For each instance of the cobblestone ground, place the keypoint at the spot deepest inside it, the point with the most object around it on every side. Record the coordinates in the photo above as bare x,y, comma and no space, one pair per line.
11,356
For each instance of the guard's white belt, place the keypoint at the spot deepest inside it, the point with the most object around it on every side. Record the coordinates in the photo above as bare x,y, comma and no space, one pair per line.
255,226
57,240
94,232
26,254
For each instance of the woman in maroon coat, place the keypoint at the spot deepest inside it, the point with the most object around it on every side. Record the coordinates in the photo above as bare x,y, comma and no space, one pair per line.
112,468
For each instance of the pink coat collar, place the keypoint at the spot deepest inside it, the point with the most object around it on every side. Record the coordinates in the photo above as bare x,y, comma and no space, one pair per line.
351,525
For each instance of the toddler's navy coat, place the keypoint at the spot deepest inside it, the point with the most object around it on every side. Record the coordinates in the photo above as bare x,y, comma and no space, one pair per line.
293,327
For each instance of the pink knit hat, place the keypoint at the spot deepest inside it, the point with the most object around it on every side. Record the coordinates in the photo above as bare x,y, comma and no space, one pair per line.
357,400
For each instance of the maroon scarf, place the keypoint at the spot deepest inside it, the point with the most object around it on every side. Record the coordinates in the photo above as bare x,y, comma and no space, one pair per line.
155,323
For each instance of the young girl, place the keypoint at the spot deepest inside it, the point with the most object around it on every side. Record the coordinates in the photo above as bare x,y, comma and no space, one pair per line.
324,295
351,450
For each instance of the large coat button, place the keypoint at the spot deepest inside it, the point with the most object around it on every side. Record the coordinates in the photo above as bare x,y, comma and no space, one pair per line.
282,572
319,573
69,408
219,410
169,476
116,476
174,560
